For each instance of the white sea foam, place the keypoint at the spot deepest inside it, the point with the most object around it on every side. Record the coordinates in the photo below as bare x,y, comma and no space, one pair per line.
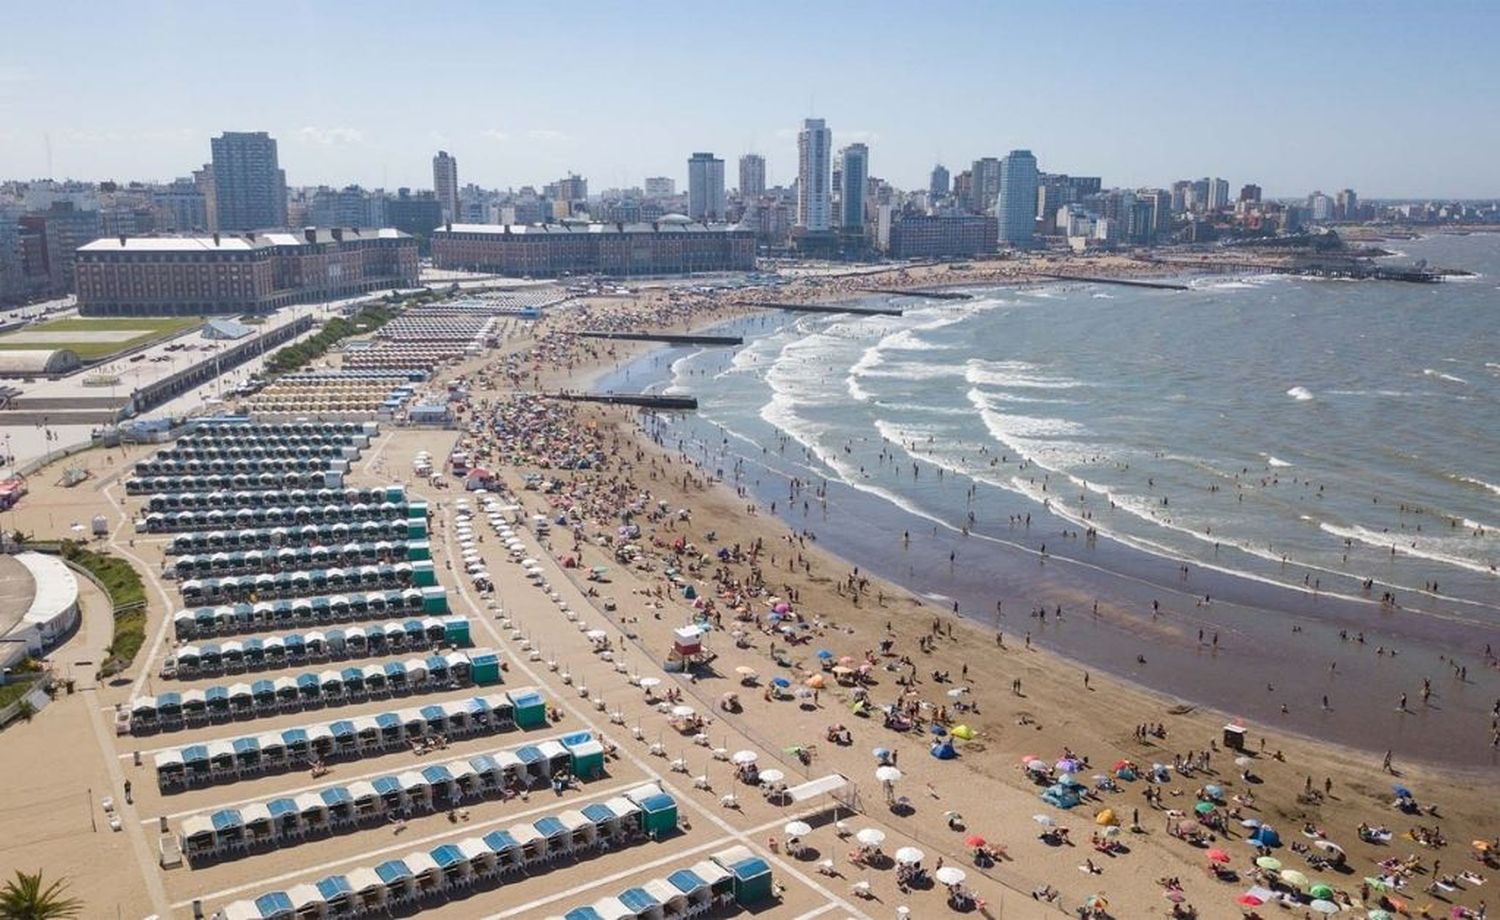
1429,372
1274,461
1301,394
1014,374
1435,549
1480,482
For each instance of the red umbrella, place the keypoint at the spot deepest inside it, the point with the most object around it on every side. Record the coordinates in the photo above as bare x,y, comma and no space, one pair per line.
974,841
1249,900
1218,856
1121,764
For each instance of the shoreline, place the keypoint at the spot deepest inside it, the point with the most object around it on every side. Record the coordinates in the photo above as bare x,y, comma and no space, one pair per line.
1245,590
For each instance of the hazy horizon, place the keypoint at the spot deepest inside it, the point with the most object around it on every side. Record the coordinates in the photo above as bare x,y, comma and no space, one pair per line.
1381,97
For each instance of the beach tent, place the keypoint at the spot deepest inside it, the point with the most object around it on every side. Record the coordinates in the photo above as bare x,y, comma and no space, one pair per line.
751,875
588,755
1060,796
640,902
529,708
485,666
659,814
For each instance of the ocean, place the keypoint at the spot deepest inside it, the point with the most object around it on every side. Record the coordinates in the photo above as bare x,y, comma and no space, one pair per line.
1237,474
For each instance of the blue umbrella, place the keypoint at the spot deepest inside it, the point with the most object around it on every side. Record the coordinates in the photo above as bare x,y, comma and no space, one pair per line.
1402,792
939,730
882,753
1213,790
824,653
781,682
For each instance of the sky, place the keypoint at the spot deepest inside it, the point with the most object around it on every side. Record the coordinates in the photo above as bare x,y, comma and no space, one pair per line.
1394,99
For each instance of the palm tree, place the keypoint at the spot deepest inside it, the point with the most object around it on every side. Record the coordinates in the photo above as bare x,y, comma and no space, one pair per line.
24,898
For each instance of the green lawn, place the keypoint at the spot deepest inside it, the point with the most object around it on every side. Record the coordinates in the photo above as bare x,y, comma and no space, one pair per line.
152,328
156,324
13,691
87,351
125,590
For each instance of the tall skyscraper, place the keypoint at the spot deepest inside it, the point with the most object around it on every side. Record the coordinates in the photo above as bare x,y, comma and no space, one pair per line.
855,170
445,183
752,176
705,187
1218,195
249,186
1250,192
814,165
1015,207
660,187
986,172
938,186
1347,207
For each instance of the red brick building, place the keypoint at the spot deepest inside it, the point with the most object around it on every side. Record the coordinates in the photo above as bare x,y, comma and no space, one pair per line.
239,273
673,245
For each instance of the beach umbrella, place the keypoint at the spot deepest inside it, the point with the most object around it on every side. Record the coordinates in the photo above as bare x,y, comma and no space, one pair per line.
1106,818
1378,914
1096,901
780,682
1067,765
1294,878
1218,856
951,875
744,758
1243,761
1321,890
881,753
1203,808
957,692
974,840
1249,900
746,671
887,774
909,856
772,776
1250,822
1269,863
815,682
1328,846
797,829
824,654
1323,906
804,693
1026,759
1378,884
683,712
1037,766
1111,832
1213,791
1044,820
1401,791
870,837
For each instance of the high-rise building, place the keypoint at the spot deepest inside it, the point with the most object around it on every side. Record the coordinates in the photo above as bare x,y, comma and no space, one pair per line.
445,183
1347,207
1250,192
249,185
855,170
752,176
1218,194
986,172
705,187
963,189
1181,192
181,207
814,165
660,187
937,187
415,215
1015,206
1321,206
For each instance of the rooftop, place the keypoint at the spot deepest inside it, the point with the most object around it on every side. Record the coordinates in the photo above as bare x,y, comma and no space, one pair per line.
230,242
665,225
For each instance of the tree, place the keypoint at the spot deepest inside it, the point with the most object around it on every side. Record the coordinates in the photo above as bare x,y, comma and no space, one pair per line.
24,898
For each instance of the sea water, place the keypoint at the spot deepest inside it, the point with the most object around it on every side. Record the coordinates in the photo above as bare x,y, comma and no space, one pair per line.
1248,454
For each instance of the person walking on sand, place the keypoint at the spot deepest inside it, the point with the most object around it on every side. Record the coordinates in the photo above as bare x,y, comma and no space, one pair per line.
1386,764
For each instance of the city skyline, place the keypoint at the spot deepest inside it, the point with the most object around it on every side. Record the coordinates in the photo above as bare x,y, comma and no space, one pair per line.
1226,95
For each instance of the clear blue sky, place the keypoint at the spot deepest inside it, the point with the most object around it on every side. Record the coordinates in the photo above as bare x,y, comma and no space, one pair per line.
1391,98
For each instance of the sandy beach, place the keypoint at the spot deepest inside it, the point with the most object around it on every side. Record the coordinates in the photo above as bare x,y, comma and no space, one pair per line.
773,600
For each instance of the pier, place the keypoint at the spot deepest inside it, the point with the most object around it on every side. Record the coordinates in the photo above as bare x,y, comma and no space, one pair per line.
667,338
915,292
1128,282
643,400
822,308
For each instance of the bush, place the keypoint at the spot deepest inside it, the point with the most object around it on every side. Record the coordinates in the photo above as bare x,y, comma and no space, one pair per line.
292,357
128,595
